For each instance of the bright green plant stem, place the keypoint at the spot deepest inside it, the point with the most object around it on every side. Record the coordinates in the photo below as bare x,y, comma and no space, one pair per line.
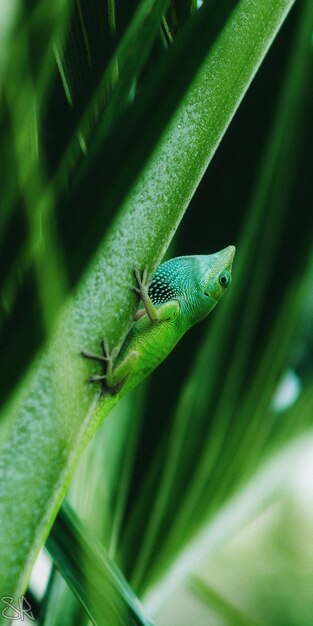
52,418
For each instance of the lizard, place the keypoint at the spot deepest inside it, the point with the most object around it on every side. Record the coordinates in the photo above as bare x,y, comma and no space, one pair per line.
183,291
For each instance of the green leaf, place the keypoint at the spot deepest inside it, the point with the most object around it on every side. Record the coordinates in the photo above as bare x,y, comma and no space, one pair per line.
95,579
113,91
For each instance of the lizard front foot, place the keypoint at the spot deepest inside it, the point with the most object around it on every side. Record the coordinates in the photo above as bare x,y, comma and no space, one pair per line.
142,290
142,282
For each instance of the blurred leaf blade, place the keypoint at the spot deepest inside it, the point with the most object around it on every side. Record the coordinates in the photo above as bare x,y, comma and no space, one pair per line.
28,69
93,576
212,598
112,92
44,194
268,483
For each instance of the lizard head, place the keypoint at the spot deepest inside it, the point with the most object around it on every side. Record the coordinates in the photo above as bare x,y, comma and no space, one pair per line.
216,270
214,278
197,282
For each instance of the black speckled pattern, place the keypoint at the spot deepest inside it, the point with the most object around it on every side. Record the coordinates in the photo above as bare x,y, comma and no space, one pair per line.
169,280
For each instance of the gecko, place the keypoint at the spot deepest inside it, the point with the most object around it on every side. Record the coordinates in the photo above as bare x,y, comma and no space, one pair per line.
183,291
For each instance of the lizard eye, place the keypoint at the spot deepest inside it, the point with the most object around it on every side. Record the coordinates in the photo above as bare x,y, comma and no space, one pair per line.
224,279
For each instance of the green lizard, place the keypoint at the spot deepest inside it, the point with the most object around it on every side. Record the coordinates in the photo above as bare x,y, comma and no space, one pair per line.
183,291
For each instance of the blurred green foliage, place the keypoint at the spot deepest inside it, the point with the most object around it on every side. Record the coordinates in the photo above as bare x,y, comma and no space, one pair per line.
88,93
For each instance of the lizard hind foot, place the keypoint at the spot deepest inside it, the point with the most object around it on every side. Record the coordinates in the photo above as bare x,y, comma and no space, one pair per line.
106,360
95,357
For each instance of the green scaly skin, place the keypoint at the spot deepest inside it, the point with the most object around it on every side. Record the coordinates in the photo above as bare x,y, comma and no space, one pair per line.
183,291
